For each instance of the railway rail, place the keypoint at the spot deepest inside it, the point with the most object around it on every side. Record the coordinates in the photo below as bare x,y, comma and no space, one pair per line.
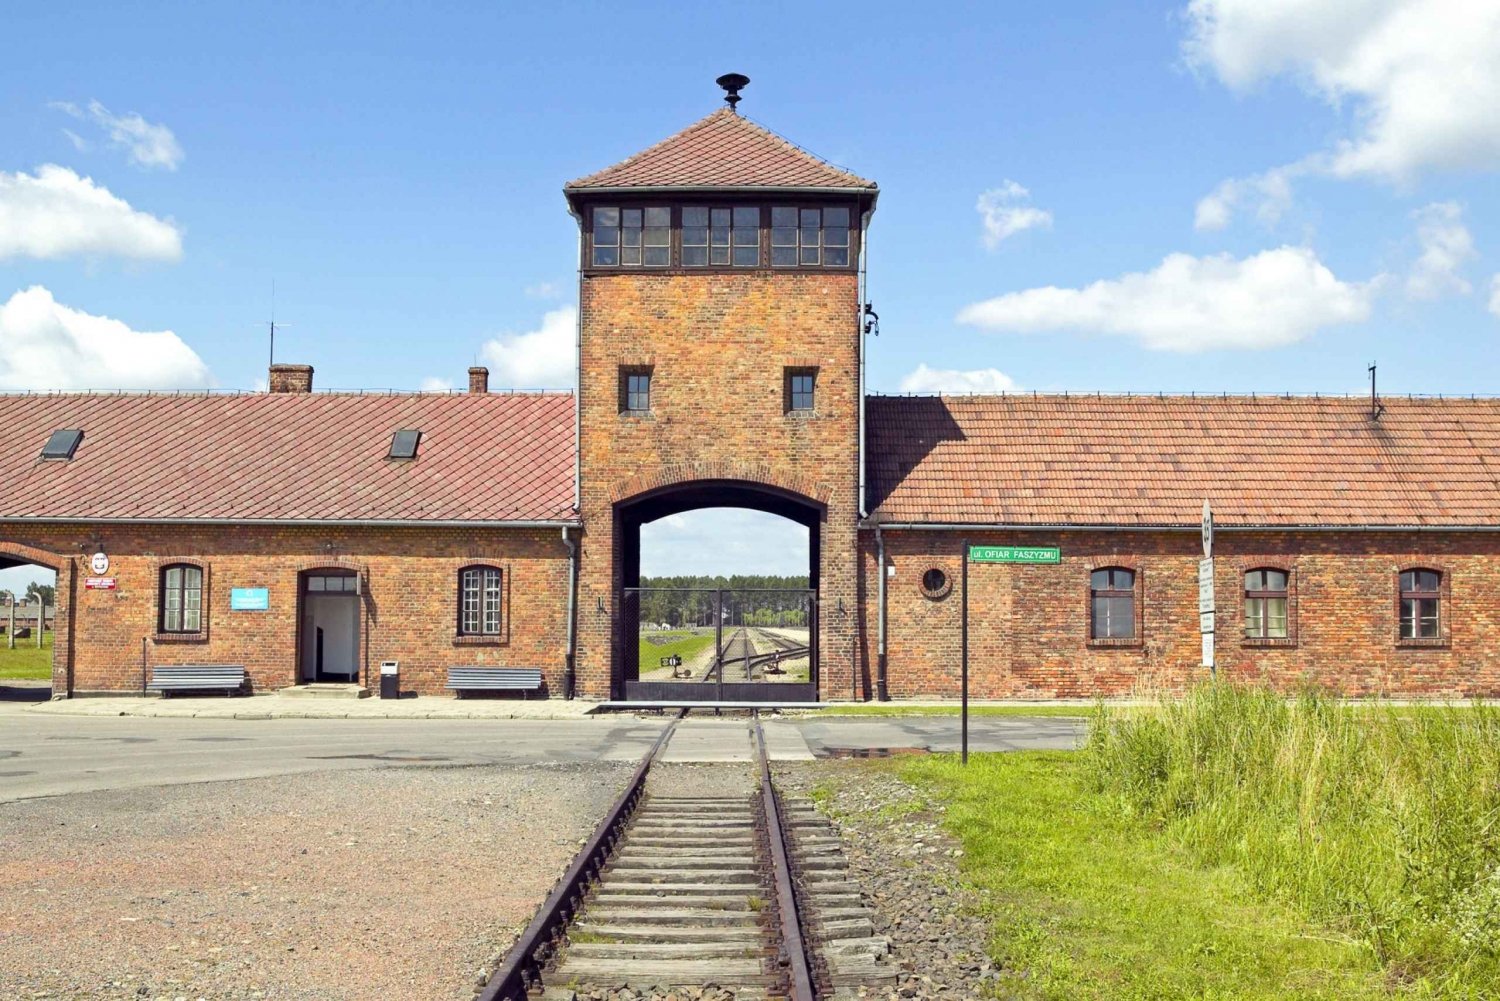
744,888
739,653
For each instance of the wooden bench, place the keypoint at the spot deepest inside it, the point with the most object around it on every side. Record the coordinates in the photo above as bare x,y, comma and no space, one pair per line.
494,679
196,677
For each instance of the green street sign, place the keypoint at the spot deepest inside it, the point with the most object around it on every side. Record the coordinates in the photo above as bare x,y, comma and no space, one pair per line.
1015,554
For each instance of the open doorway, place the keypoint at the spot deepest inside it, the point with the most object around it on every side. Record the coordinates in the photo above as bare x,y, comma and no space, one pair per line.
330,627
28,628
720,598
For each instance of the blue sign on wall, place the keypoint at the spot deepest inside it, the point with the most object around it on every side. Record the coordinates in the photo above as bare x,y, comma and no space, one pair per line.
249,599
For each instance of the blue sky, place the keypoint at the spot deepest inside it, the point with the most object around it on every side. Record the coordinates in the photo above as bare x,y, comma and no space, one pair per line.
1208,196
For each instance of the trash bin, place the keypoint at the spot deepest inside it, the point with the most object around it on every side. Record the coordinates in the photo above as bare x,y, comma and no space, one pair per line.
390,679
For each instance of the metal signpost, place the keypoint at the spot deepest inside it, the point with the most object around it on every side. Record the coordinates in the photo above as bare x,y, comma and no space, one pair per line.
1206,607
964,654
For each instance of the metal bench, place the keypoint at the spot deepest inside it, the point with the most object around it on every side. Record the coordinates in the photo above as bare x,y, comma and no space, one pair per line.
196,677
494,679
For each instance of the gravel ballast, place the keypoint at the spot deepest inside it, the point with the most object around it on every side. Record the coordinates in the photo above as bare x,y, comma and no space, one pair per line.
379,884
906,867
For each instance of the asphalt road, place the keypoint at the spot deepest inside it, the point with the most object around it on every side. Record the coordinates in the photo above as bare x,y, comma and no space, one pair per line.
57,755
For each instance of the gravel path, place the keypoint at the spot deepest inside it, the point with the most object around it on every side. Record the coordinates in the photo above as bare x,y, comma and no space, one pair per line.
380,884
907,869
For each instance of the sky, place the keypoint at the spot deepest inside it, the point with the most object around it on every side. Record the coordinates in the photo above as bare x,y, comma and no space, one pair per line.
1215,195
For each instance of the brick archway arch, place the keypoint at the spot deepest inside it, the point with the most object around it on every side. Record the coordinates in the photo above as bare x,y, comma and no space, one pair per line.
66,568
681,474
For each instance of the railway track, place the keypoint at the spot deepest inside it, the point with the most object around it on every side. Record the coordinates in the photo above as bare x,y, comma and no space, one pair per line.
737,886
739,657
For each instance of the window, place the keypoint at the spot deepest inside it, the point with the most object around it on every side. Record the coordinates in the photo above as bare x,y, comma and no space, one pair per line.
1112,604
799,389
404,445
632,237
1266,604
479,601
635,390
1420,599
181,599
809,237
721,236
332,583
62,444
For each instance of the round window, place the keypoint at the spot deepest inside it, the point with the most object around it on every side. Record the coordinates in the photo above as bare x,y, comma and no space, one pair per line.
935,582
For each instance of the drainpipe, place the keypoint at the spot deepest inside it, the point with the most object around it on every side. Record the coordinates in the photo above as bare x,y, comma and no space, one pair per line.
569,668
859,328
882,692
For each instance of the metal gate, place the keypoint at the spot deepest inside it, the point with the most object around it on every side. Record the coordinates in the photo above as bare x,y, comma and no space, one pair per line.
719,644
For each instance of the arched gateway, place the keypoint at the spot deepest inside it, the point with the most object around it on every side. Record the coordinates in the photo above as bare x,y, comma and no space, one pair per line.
14,554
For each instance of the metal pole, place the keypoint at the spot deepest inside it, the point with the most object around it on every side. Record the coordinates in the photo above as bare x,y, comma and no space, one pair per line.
964,650
719,641
41,621
11,633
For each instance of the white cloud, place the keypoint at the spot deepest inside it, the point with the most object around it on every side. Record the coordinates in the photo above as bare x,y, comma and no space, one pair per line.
1421,78
1273,189
55,213
1446,247
45,345
544,290
723,540
544,358
1193,303
1495,295
1005,213
146,145
952,380
435,384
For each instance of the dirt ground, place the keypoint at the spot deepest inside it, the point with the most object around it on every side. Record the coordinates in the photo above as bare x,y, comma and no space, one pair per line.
389,884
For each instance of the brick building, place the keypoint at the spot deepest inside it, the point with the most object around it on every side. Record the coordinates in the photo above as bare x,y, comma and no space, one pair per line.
310,536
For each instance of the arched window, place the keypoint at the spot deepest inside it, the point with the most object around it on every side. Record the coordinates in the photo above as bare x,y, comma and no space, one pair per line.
181,599
479,601
1421,600
1266,604
1112,604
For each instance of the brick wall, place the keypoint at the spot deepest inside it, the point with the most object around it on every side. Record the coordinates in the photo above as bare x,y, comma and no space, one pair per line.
1029,624
717,345
408,601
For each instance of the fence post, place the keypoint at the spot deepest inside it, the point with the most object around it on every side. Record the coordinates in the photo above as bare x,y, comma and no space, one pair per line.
41,621
10,635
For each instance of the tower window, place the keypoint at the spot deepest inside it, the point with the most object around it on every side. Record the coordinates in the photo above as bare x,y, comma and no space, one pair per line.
635,390
723,237
632,237
800,386
809,237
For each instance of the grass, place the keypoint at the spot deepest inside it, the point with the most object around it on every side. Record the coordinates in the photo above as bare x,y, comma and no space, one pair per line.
896,709
685,644
1238,844
1382,823
26,662
1085,903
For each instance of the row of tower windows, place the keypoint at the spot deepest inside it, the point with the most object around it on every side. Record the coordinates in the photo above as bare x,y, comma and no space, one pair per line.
799,390
737,236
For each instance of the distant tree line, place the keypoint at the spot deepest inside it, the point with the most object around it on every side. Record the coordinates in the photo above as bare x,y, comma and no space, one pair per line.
748,600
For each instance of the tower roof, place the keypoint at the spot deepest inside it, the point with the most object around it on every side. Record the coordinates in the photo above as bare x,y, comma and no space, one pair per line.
724,150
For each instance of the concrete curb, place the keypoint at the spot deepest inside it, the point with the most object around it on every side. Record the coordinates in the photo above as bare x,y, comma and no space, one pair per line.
300,708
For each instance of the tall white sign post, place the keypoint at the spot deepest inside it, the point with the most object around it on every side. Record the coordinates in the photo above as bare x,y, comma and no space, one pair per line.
1206,589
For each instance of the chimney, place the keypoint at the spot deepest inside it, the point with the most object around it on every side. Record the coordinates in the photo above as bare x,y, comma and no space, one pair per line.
291,378
479,379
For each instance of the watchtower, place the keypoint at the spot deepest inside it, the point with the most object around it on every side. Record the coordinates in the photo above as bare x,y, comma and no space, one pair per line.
720,329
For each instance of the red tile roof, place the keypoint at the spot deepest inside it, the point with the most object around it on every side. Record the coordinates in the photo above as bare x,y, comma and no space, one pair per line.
722,150
290,456
1147,460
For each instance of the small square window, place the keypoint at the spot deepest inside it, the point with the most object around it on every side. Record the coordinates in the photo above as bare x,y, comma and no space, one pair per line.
801,386
62,444
404,445
635,390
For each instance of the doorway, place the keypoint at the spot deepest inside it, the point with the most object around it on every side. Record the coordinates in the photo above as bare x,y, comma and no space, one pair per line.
330,627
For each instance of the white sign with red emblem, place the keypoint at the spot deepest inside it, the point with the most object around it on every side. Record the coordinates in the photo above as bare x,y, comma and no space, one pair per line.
99,564
99,583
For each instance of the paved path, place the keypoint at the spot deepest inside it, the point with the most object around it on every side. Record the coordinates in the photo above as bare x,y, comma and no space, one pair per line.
42,755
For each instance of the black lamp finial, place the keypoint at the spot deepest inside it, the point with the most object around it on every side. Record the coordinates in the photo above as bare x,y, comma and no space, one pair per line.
732,84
